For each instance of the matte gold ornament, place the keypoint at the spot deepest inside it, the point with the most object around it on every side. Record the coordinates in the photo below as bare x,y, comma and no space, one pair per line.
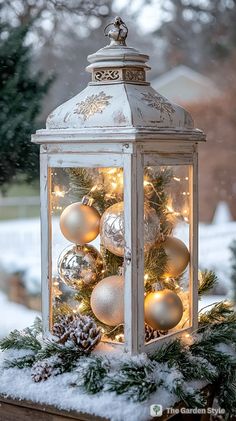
177,256
79,223
163,309
107,300
80,265
112,228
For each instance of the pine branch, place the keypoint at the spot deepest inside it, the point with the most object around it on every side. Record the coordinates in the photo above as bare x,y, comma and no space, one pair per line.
81,182
169,352
208,281
25,339
134,380
113,262
69,356
226,391
196,368
155,263
219,333
156,195
193,399
21,362
61,309
220,312
92,373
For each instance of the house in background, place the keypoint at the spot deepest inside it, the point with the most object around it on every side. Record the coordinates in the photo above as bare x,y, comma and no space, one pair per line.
185,86
205,101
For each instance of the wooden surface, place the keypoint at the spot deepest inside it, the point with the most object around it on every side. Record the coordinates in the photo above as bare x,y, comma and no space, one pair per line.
23,410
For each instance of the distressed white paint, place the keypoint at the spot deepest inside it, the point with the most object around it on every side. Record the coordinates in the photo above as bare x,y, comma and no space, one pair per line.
133,127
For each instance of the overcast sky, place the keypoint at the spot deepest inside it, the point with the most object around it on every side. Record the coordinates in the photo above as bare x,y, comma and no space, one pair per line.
147,19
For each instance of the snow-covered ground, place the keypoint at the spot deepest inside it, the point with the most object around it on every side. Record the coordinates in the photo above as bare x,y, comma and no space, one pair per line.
14,316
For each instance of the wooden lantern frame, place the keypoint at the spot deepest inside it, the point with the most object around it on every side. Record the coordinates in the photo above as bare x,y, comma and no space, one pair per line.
102,140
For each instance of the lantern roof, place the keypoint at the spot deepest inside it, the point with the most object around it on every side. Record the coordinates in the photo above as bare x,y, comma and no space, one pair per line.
119,99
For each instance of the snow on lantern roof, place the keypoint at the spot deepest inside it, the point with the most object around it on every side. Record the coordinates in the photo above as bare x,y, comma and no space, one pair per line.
119,99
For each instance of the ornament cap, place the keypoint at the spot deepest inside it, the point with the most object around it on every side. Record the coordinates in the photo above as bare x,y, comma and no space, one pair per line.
88,201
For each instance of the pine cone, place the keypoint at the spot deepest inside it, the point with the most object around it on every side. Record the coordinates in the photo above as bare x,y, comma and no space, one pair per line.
60,329
150,333
80,331
44,369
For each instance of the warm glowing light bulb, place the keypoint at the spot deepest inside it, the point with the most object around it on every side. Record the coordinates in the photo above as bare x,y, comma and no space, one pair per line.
58,192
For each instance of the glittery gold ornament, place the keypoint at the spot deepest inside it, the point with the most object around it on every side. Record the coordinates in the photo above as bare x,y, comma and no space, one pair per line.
177,256
112,228
79,223
80,265
107,300
163,309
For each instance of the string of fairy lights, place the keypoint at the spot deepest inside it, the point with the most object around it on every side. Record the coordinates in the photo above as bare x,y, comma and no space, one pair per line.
82,266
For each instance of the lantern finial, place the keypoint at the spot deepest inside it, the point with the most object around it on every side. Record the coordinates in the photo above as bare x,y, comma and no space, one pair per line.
118,33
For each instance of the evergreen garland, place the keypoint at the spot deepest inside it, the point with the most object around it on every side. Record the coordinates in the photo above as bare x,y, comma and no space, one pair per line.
209,356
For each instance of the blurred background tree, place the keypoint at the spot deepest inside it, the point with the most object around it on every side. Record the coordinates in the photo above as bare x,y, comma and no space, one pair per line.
195,32
29,42
21,94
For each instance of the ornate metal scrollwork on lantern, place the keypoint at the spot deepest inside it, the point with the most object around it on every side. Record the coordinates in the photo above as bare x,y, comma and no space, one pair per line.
134,75
92,104
107,74
160,103
126,75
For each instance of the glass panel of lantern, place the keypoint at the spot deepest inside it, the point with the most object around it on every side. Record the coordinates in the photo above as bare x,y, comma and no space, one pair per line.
87,247
167,274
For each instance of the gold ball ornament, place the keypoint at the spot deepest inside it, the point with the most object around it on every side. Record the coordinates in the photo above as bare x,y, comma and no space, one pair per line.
107,300
112,228
163,309
177,256
79,223
80,265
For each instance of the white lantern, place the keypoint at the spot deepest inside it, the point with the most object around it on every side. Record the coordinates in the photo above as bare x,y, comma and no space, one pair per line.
119,204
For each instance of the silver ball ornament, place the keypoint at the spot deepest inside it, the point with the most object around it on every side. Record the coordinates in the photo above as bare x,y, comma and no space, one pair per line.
112,228
107,300
163,309
79,223
80,265
177,256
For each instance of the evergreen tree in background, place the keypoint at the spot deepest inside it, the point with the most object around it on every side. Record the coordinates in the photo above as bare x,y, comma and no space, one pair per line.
233,268
21,94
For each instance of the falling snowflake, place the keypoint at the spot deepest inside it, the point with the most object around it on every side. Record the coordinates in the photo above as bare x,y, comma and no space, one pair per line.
92,104
160,103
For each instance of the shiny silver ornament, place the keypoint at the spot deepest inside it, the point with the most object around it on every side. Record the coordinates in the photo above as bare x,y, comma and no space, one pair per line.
163,309
177,256
112,228
107,300
80,265
79,223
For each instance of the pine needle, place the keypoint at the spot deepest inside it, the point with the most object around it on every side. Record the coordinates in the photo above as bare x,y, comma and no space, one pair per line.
207,282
